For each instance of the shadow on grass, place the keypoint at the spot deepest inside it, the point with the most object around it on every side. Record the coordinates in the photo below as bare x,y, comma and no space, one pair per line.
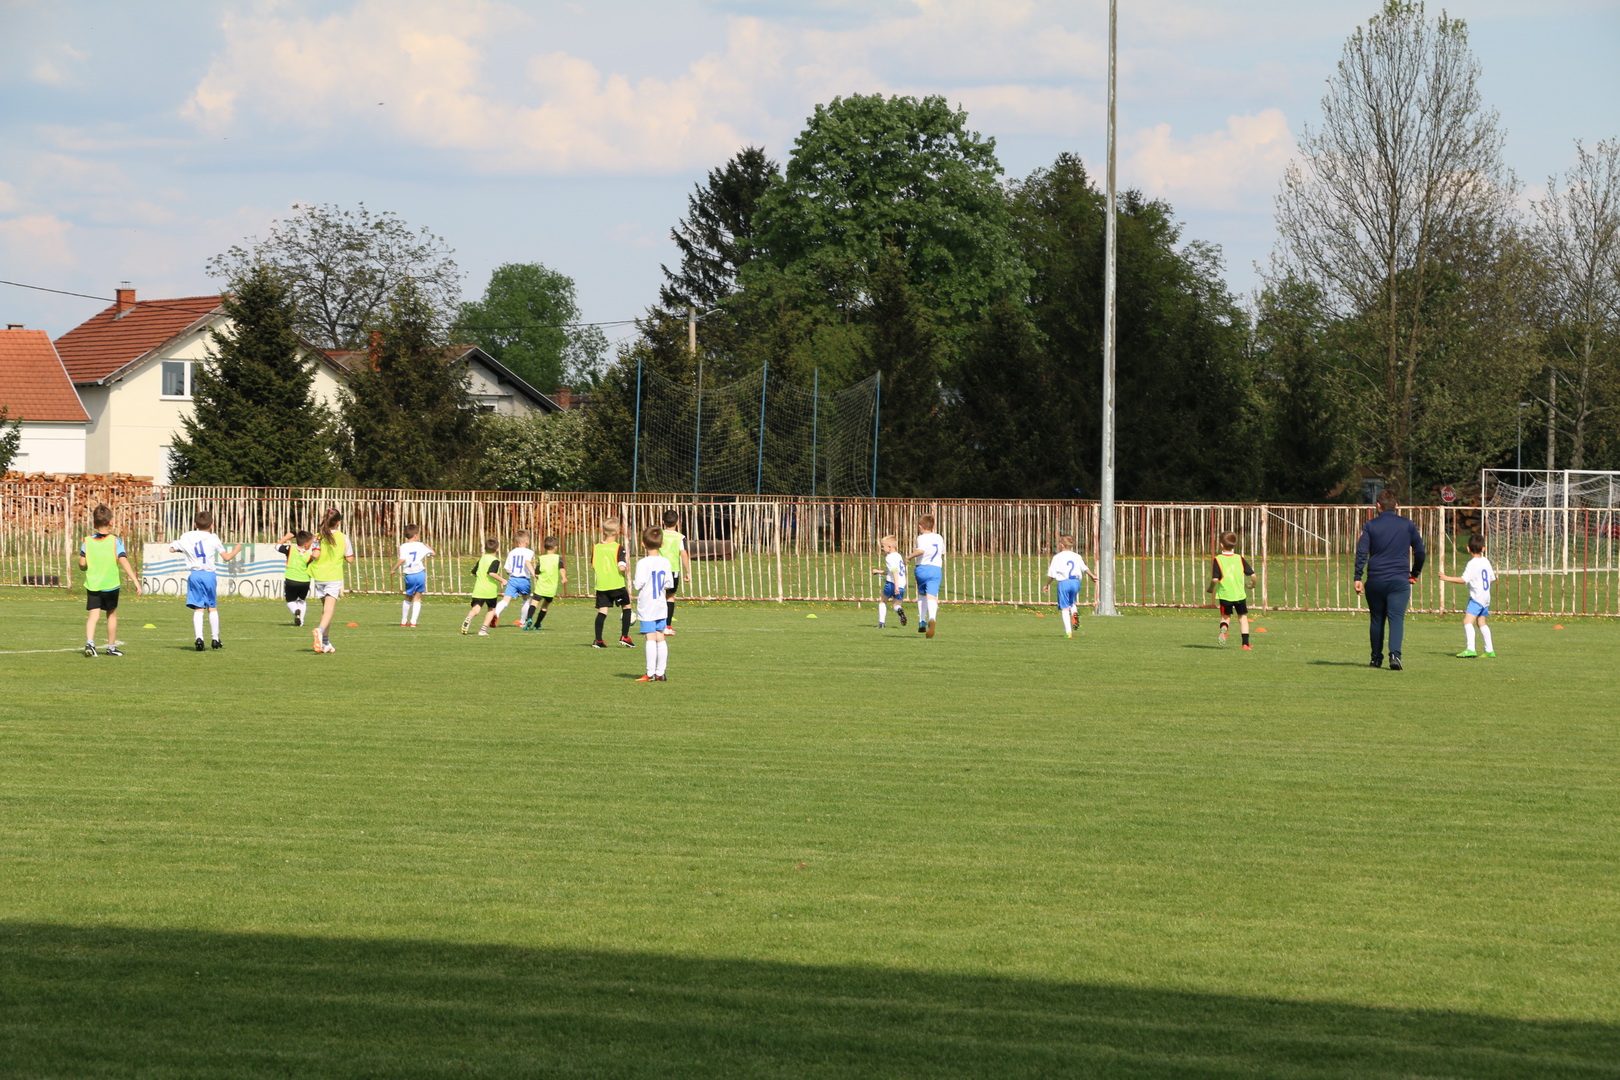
1340,663
120,1002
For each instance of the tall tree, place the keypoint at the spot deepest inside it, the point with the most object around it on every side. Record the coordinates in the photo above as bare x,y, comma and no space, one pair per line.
343,267
1304,450
715,235
1405,168
1578,232
254,419
869,173
528,320
409,420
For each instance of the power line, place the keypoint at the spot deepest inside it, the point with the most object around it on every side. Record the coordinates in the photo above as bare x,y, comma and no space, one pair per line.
168,306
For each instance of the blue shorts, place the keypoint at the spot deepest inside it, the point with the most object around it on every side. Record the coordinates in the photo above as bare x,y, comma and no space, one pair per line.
202,589
892,593
1068,592
928,578
654,626
1477,611
517,586
415,584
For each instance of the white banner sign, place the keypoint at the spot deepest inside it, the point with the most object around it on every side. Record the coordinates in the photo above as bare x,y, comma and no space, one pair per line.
258,571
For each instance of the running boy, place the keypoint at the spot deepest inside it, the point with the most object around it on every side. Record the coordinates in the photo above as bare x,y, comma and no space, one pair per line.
674,552
930,556
894,581
1230,574
608,565
295,579
201,547
101,557
1478,576
550,575
519,581
487,582
1066,569
653,576
413,556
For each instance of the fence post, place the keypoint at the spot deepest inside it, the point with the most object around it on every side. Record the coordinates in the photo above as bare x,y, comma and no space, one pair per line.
815,410
1265,558
759,466
776,519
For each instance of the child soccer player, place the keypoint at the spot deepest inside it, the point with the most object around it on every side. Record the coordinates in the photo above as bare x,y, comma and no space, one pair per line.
295,579
487,582
1478,576
101,557
519,581
1230,574
608,565
201,546
330,551
413,556
1066,569
674,552
653,575
930,556
550,575
894,581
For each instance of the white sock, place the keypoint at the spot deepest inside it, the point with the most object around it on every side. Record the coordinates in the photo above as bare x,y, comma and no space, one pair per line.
663,657
292,606
213,623
303,607
1468,632
528,606
922,609
933,608
883,614
1068,621
196,620
1485,632
404,611
651,650
416,611
500,606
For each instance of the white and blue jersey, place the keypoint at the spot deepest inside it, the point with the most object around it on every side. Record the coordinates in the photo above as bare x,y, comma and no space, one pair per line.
519,567
413,555
894,576
200,548
654,576
930,563
1479,575
1067,568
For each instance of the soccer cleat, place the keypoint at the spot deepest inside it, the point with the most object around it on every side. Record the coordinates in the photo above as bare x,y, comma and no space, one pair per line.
1467,654
902,615
403,624
598,644
627,643
1074,621
1248,648
413,626
930,627
1221,637
1492,655
89,648
218,644
483,632
329,648
517,622
1395,662
669,631
466,625
320,646
922,626
298,618
200,645
661,678
112,650
648,678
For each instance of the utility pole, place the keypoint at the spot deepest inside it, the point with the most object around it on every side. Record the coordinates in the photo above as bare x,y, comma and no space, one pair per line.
697,435
1105,500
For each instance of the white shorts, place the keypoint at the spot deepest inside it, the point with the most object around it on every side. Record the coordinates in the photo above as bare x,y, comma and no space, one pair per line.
323,589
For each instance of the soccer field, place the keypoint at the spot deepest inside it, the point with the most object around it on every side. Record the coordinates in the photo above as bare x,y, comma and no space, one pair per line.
818,850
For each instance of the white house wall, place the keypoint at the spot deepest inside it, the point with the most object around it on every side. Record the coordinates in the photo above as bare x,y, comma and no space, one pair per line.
52,448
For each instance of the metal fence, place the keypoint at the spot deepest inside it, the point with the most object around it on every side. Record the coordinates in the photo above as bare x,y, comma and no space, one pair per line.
777,549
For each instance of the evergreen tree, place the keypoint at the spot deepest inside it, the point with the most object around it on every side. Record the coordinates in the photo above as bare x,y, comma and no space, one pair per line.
409,420
254,420
902,344
715,234
1305,449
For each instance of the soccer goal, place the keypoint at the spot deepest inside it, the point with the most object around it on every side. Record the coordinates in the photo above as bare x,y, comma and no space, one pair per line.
1551,521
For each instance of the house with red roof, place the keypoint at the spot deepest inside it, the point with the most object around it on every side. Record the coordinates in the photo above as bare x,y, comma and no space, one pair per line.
134,364
35,389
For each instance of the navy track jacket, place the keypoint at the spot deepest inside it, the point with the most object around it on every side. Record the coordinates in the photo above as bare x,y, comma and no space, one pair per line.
1382,549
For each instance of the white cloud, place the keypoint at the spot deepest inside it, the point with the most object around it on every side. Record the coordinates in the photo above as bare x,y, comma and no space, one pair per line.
36,243
58,66
1221,170
632,234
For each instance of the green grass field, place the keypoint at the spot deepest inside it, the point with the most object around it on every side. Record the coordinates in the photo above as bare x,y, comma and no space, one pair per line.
817,851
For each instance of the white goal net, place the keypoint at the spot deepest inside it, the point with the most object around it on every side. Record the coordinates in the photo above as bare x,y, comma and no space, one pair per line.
1551,521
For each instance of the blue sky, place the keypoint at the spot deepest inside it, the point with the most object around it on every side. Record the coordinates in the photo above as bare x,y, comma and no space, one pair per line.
139,139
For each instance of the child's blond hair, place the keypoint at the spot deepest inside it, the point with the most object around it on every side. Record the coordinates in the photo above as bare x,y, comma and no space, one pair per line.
610,527
889,541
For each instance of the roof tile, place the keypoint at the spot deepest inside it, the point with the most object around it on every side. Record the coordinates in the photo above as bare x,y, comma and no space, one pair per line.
110,341
34,385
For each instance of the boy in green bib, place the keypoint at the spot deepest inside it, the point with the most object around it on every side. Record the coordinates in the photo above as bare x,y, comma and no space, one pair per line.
1228,578
487,583
608,564
101,557
674,549
550,575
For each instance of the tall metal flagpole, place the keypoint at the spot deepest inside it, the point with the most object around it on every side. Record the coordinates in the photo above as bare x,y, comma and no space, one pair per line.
1105,501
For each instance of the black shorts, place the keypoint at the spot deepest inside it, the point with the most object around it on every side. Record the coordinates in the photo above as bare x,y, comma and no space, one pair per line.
294,590
612,598
675,587
104,600
485,601
1239,606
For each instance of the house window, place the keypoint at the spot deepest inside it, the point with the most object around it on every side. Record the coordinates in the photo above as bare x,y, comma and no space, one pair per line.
176,378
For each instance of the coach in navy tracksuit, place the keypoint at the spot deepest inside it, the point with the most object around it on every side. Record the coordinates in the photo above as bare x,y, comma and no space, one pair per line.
1391,553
